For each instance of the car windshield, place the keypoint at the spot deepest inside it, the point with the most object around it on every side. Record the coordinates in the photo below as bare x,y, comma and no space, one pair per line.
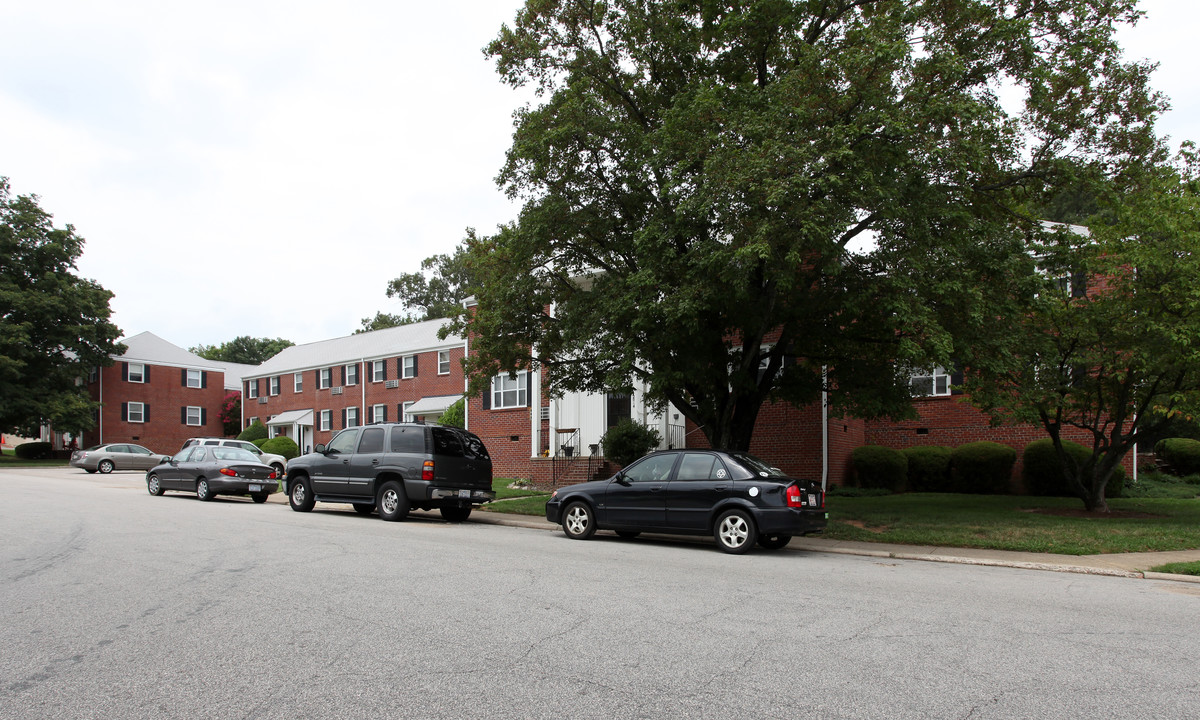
757,466
233,454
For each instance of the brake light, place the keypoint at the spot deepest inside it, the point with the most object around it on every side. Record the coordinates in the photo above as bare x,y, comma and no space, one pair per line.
227,471
272,476
427,470
795,497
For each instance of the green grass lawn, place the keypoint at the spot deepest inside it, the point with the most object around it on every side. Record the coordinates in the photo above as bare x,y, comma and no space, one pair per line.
8,459
1167,518
1184,568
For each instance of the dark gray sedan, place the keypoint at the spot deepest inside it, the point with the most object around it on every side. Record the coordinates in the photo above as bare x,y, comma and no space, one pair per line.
209,471
115,456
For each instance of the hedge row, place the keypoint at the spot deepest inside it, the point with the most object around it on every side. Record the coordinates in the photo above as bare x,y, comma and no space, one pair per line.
1182,454
980,467
1043,475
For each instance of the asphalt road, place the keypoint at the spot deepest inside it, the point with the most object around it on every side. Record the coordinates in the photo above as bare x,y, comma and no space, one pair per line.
116,604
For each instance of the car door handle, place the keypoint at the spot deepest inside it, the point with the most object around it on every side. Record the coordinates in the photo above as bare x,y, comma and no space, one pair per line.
719,487
346,461
655,488
374,461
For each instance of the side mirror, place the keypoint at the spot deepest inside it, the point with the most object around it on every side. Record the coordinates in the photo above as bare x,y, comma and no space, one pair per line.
620,479
320,448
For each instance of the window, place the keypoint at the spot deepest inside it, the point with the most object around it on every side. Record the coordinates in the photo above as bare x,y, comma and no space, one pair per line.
345,441
351,417
135,412
94,375
274,386
378,413
923,384
298,382
404,411
193,415
409,365
408,439
378,371
136,372
443,362
656,468
251,421
352,374
509,392
252,389
326,420
700,466
194,378
372,441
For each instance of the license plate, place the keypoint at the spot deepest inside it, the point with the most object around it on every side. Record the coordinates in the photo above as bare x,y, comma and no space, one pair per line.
812,499
256,488
465,494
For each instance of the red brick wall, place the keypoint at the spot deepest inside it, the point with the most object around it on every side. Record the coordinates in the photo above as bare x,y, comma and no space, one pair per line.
165,394
426,383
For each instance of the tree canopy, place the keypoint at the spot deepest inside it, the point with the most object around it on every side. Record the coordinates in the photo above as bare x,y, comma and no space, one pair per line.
730,203
1110,346
54,325
436,291
243,349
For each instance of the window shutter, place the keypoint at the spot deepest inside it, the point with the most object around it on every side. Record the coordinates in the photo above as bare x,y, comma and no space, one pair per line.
204,378
316,379
399,412
385,413
415,359
183,377
343,375
344,420
125,412
400,367
529,388
203,416
487,397
125,373
145,412
145,373
385,377
183,416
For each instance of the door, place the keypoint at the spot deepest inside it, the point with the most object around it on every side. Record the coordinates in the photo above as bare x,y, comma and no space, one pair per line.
329,472
141,458
365,461
699,484
637,497
170,475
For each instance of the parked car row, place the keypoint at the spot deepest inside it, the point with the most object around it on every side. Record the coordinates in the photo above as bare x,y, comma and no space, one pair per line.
392,468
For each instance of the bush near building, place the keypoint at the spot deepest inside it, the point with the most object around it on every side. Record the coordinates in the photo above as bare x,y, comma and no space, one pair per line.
33,450
876,466
256,431
983,467
1181,454
281,445
1043,476
627,441
928,468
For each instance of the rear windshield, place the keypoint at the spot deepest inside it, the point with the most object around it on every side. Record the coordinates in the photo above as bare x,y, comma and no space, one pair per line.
473,447
755,466
233,454
446,442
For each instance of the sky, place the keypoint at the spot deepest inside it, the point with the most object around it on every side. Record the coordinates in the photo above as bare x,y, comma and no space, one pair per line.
265,168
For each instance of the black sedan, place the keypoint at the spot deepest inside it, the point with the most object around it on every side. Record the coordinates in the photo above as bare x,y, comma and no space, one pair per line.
209,471
734,496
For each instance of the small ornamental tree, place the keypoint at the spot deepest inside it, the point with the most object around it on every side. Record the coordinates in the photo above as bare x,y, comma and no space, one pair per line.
455,415
627,441
230,413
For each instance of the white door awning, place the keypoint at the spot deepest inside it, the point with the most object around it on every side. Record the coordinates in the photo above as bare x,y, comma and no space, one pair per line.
432,405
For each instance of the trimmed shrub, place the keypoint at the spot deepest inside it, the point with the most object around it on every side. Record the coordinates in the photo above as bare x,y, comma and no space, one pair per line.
1043,476
33,450
983,468
928,468
259,442
876,466
627,441
256,431
1182,454
455,415
281,445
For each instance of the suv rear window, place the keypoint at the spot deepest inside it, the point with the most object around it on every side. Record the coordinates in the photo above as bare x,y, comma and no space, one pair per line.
473,447
446,442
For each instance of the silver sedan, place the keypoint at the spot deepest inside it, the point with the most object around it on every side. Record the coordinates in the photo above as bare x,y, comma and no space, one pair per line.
115,456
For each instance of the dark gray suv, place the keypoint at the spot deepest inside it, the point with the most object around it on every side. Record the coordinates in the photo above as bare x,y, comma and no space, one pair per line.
395,467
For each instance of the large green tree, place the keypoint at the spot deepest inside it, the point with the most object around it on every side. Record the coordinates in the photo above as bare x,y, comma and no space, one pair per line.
1110,346
731,202
435,291
244,349
54,325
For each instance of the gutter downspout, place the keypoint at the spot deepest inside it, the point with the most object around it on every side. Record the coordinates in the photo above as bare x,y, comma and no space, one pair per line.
362,383
100,372
824,428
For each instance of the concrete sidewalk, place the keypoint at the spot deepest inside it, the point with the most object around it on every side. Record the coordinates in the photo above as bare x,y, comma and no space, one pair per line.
1131,565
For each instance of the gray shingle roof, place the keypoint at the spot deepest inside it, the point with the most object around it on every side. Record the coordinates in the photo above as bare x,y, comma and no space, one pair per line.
375,345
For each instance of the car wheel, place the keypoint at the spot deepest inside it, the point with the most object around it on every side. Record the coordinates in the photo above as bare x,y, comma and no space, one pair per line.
105,466
89,471
203,491
774,541
300,496
735,532
154,486
627,534
579,522
278,469
258,498
456,514
364,508
392,501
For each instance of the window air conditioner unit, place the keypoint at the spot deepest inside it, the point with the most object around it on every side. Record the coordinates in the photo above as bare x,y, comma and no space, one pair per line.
391,384
335,391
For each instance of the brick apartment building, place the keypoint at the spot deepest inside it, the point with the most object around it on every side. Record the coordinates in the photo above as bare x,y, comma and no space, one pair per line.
157,395
309,392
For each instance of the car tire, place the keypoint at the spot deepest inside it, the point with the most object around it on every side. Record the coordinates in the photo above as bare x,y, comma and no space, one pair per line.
734,532
203,491
153,486
627,534
579,522
455,514
392,501
775,541
278,469
89,471
364,508
105,467
300,495
258,497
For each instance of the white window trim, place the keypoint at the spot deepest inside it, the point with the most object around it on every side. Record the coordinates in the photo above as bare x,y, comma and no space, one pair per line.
352,374
141,412
199,378
251,389
273,385
377,412
352,417
407,416
141,374
502,385
441,362
378,370
298,382
324,378
199,414
326,420
936,377
251,421
408,371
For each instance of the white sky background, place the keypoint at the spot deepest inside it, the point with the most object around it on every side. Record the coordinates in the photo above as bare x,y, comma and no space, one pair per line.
265,168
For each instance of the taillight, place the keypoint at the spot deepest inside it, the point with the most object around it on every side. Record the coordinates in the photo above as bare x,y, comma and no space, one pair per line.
272,476
227,471
427,470
795,496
